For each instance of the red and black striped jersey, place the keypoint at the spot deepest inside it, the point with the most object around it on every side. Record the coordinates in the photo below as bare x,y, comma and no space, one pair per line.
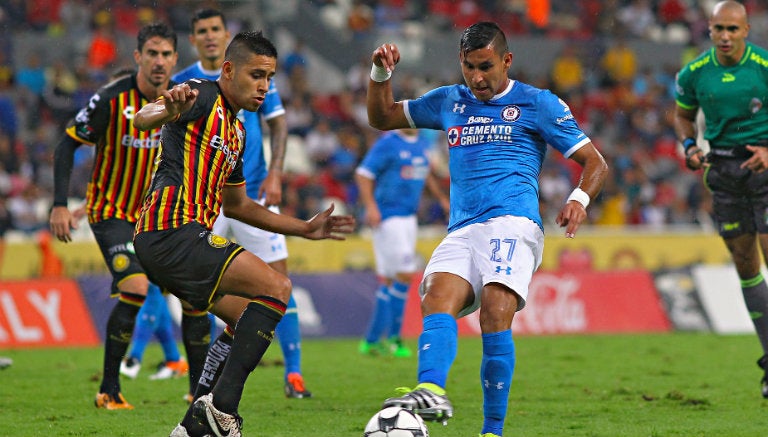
125,156
201,152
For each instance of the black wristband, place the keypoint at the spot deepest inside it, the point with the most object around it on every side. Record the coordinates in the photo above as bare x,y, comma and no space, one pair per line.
688,143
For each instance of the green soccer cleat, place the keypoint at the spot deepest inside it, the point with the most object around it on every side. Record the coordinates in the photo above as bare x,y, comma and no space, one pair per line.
398,349
373,349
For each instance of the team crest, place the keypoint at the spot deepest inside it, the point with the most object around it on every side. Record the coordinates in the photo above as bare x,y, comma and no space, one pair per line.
217,241
510,113
120,262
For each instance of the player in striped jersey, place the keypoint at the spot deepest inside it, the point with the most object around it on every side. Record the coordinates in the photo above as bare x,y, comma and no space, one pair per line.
122,172
200,172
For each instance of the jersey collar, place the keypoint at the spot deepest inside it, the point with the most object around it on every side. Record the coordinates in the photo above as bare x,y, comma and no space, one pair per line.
506,90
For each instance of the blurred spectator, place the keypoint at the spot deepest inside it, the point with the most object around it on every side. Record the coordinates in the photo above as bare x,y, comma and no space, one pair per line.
619,62
321,142
298,116
296,58
567,70
75,16
59,92
102,52
388,16
42,13
637,17
29,211
360,19
8,112
32,75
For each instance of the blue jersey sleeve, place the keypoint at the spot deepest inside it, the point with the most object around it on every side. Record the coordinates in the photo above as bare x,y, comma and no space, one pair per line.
557,125
427,110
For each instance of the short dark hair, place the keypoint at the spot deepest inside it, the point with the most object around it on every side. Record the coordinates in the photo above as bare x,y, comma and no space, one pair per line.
245,43
120,72
202,14
481,35
156,29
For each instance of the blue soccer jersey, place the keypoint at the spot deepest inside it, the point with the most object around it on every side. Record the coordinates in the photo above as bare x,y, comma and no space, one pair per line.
496,148
196,71
399,165
254,164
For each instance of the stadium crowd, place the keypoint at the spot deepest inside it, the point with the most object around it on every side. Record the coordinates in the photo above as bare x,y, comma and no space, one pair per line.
625,108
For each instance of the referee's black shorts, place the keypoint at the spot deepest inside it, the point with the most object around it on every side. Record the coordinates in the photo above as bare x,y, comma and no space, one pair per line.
739,196
188,261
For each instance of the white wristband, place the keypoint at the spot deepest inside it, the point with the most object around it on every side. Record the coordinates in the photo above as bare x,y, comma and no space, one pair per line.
580,196
380,74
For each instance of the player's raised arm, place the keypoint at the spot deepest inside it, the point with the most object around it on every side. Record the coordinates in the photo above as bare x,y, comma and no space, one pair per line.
383,112
169,107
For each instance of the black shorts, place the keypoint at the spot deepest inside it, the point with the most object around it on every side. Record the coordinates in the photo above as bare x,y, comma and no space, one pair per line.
188,261
739,196
115,239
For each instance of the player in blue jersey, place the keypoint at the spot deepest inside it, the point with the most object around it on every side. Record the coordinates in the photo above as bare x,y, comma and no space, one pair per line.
497,131
390,180
210,37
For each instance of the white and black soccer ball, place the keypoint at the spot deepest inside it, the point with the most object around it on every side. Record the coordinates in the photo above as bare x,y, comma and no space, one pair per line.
395,422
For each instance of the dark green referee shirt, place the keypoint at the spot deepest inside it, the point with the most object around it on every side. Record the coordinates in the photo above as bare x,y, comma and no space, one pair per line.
733,98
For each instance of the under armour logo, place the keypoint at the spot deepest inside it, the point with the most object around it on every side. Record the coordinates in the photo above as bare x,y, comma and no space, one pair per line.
497,386
507,270
459,108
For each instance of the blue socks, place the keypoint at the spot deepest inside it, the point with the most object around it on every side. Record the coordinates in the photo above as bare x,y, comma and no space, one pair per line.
381,315
154,319
289,336
437,348
398,293
496,371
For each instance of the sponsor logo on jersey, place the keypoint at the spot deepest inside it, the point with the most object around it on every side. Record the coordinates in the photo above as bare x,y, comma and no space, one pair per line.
152,142
479,134
230,155
728,77
217,241
476,120
755,105
459,108
122,247
129,112
510,113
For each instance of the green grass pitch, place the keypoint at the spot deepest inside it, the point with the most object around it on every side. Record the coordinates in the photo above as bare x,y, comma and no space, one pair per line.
686,385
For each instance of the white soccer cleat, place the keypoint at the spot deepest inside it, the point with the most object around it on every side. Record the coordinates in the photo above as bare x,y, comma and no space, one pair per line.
222,424
130,367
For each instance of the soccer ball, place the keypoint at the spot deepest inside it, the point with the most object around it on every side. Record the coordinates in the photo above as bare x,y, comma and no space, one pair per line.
395,422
